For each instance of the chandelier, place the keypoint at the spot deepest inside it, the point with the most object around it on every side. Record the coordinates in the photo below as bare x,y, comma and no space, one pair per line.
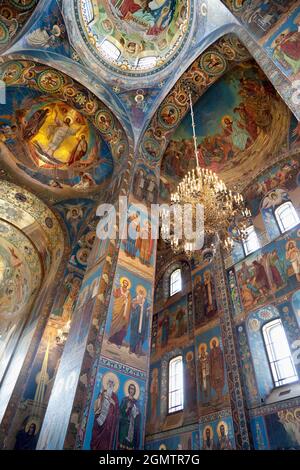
225,216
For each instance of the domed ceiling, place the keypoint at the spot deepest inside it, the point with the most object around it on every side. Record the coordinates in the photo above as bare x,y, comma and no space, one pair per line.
31,243
56,133
134,36
242,124
20,271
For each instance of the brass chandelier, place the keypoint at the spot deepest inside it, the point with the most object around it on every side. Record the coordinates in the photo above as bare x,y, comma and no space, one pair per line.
225,216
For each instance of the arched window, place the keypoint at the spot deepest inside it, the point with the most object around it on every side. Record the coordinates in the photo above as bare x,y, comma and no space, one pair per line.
279,354
110,50
175,384
252,242
175,282
286,216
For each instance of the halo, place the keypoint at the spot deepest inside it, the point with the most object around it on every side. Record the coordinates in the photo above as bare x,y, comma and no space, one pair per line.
225,426
201,345
211,431
297,414
254,324
216,339
81,252
33,420
278,35
189,356
291,241
289,417
90,237
125,279
69,117
110,376
137,388
225,118
140,287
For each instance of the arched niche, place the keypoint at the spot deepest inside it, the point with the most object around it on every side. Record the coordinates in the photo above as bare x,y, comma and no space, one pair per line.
58,135
33,250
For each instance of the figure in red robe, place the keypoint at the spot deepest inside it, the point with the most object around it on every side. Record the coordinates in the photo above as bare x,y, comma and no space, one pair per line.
127,6
289,44
106,419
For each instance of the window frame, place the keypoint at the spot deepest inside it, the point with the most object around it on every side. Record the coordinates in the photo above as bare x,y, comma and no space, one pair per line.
179,407
279,219
171,283
245,242
271,356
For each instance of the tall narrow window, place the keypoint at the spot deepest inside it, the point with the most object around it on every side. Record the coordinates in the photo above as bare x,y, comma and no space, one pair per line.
286,216
175,385
252,242
279,354
175,282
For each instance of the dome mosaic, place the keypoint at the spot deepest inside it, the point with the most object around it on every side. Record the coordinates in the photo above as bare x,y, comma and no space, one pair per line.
135,37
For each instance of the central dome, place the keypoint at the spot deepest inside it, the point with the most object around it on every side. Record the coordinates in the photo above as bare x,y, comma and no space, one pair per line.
135,37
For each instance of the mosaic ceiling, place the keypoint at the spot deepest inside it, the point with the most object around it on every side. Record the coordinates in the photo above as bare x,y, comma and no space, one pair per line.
56,133
20,272
241,125
134,36
31,243
13,16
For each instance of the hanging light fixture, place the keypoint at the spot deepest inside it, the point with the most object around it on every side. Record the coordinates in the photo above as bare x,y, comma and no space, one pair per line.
225,215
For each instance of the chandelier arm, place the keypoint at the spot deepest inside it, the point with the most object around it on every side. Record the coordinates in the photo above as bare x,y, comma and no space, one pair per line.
194,130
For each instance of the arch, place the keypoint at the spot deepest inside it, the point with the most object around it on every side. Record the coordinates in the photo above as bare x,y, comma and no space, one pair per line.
37,242
286,216
278,352
14,17
235,47
227,51
175,385
58,91
163,276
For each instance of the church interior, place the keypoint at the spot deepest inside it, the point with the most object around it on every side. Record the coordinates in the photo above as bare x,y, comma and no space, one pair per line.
143,342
